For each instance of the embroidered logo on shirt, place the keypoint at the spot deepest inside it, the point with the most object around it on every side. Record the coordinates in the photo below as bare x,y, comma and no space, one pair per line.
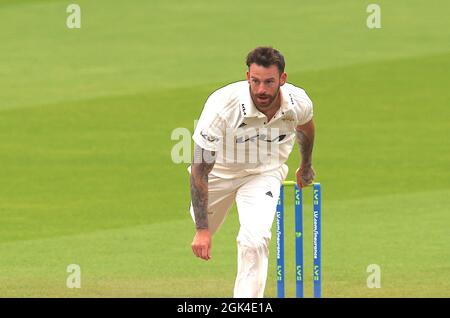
288,118
292,100
208,138
269,194
260,137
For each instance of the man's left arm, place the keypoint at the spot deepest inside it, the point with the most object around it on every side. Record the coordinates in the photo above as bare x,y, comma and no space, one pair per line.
305,139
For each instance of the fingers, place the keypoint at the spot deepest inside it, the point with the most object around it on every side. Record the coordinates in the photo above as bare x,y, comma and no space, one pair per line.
194,250
201,250
306,177
307,180
299,178
204,252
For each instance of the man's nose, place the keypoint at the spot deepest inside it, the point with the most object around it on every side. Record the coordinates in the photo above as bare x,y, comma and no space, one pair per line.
261,89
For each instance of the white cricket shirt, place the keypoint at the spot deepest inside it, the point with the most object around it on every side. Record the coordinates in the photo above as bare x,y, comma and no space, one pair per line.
245,142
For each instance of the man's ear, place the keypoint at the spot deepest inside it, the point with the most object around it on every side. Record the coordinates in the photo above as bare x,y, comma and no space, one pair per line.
248,77
283,79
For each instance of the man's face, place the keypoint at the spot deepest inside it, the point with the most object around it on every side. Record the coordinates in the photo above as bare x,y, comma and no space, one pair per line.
265,83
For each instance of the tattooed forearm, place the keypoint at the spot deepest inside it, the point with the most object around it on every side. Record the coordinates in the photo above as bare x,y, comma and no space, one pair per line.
202,166
305,142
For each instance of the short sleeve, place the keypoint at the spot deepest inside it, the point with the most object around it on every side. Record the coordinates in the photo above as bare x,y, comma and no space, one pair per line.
211,126
305,109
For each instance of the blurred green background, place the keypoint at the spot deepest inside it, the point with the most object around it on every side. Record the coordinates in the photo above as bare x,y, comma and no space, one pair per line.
86,116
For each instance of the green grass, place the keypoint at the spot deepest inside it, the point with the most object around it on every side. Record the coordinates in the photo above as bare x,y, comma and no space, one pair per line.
86,117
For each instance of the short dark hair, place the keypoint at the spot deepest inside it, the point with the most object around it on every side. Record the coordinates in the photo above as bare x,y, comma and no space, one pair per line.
266,56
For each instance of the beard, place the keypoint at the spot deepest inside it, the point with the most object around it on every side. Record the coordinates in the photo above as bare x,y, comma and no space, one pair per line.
264,101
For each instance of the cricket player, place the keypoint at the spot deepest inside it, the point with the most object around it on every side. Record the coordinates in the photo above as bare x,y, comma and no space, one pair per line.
243,138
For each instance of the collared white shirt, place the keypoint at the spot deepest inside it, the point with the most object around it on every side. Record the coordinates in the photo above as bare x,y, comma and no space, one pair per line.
245,142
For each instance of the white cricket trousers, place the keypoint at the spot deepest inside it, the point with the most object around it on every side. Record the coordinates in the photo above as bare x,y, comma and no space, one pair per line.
256,198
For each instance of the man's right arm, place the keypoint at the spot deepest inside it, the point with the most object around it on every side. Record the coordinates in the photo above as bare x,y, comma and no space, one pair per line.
203,163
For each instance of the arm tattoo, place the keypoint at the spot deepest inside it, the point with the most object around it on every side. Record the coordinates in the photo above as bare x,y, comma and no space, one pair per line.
203,163
305,144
